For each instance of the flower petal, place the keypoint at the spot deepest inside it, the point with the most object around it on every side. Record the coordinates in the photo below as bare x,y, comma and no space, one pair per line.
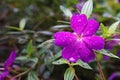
85,53
94,42
64,38
78,23
3,75
111,44
10,60
70,53
91,28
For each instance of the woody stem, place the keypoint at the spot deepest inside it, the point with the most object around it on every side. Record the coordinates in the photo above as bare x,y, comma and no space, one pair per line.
100,69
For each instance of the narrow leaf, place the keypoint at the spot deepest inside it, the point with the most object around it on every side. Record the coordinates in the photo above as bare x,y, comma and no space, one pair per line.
69,74
30,48
45,43
60,26
60,61
22,24
107,53
87,8
113,27
32,75
82,64
66,11
22,58
33,59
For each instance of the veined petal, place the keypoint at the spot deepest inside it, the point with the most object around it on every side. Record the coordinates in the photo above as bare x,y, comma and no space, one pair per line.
10,60
64,38
85,53
94,42
91,28
78,23
70,53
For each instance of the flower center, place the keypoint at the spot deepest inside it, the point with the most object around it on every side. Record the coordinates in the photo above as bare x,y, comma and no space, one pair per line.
79,37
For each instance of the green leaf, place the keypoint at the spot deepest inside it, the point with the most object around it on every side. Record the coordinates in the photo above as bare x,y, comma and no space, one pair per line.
30,48
14,28
22,58
104,31
22,24
108,53
25,58
103,28
87,8
45,43
33,59
69,74
60,26
82,64
113,27
66,11
32,75
60,61
53,58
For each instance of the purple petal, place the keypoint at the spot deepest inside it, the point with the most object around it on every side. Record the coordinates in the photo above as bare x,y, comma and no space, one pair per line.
91,28
3,75
118,1
111,43
64,38
85,53
106,57
78,23
114,76
70,53
78,6
10,60
118,53
94,42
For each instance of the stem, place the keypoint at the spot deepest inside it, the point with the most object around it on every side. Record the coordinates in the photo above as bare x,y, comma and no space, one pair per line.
23,73
20,74
76,77
100,69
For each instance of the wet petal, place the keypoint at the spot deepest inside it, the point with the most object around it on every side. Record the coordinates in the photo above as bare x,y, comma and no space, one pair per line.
10,60
91,28
64,38
85,53
70,53
94,42
78,23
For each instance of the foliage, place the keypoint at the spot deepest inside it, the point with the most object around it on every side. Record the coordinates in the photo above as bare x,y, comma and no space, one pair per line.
27,26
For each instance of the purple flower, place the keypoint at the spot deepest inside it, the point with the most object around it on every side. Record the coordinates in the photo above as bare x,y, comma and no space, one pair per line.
106,57
114,76
118,1
112,43
80,43
8,63
78,6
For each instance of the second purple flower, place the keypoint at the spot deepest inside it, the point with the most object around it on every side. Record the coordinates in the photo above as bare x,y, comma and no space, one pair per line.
80,43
